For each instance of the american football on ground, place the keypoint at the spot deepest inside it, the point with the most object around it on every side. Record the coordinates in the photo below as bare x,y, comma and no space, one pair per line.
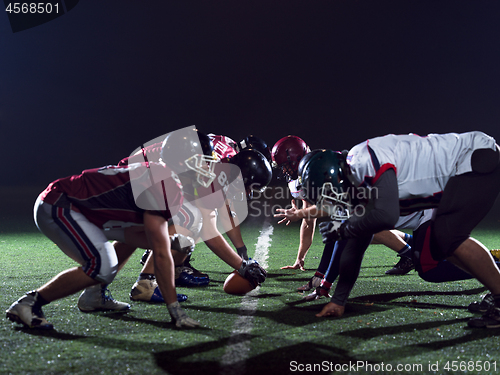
237,284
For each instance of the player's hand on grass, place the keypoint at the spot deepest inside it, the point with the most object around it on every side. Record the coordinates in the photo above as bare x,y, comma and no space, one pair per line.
179,316
299,265
331,309
288,215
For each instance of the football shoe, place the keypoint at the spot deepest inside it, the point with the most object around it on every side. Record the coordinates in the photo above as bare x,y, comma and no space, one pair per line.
98,298
483,306
313,282
491,319
194,271
28,312
402,267
148,291
184,277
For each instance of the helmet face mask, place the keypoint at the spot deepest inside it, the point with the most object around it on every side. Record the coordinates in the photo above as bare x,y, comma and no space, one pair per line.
203,166
336,204
190,153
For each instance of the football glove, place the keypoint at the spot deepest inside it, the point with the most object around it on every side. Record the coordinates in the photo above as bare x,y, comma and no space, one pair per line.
330,230
179,316
253,272
181,243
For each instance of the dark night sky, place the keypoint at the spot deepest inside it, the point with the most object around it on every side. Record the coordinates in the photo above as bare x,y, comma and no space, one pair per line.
87,88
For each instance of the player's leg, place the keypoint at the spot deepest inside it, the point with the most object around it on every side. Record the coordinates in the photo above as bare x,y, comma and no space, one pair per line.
77,238
324,263
466,200
323,290
349,267
397,241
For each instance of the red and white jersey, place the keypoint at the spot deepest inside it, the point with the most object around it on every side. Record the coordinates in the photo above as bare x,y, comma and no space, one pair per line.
149,153
223,147
423,165
114,196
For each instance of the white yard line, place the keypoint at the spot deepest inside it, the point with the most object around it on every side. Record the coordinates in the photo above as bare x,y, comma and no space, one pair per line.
238,346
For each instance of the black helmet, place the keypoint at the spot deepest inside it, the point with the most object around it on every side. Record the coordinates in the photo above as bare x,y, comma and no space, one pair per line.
187,150
256,143
255,169
323,177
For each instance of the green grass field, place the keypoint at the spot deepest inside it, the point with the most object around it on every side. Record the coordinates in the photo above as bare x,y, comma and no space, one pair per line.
391,322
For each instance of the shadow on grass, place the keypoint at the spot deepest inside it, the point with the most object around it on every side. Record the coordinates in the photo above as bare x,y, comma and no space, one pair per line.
388,297
283,360
435,343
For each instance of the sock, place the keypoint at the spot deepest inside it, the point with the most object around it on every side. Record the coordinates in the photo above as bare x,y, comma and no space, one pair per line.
326,284
405,251
408,239
40,300
146,276
319,274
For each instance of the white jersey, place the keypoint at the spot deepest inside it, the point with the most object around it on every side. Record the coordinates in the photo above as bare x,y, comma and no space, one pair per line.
296,189
423,165
414,220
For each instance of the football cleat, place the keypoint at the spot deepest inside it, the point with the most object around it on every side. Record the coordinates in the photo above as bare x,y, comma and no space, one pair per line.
319,292
194,271
491,319
184,277
402,267
313,282
98,298
483,306
148,291
27,312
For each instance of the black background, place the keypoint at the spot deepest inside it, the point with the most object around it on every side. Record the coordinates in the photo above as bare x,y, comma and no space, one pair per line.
87,88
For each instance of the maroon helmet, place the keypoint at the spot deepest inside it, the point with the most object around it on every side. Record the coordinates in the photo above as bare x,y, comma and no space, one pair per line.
286,155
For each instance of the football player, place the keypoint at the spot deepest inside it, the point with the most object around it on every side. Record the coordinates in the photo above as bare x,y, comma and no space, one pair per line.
81,213
288,154
410,173
204,208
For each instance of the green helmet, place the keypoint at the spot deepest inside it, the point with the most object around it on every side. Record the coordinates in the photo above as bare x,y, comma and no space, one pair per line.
325,184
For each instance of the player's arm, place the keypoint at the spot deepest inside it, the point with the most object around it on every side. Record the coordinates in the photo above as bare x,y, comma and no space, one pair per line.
306,237
156,229
384,213
249,269
233,230
214,240
292,214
